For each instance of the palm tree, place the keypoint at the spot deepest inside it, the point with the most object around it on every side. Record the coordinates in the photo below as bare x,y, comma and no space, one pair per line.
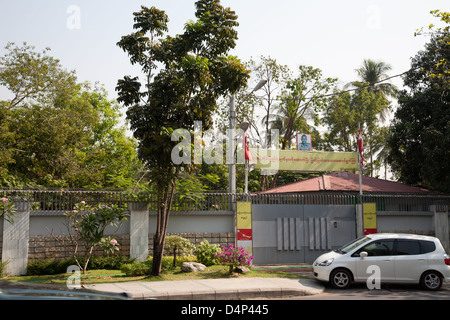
374,73
373,76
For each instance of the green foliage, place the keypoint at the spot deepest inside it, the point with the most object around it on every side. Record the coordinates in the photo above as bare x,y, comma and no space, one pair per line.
56,132
366,108
7,210
195,71
109,244
86,225
420,135
113,262
3,268
191,189
48,266
303,97
144,268
178,246
439,71
54,266
137,268
205,253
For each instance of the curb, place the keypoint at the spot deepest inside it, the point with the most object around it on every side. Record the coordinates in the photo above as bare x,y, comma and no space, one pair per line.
310,288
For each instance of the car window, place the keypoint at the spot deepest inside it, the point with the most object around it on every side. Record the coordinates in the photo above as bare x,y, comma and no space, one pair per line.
408,247
378,248
352,245
427,246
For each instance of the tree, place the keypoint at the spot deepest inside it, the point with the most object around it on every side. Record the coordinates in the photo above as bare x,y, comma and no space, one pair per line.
302,99
347,112
373,74
420,140
57,132
178,245
86,225
350,112
194,71
276,77
34,77
440,68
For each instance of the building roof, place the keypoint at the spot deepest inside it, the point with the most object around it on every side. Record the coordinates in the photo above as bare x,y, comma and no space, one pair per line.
345,181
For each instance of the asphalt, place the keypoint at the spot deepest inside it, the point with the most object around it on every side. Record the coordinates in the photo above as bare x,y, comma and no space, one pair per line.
238,288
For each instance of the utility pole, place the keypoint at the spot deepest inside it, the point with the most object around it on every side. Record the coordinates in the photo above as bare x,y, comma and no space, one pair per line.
231,146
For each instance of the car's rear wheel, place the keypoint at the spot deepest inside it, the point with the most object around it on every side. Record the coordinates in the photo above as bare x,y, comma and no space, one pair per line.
341,279
431,280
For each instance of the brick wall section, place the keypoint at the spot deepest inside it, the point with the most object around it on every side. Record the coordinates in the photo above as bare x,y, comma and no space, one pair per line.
46,247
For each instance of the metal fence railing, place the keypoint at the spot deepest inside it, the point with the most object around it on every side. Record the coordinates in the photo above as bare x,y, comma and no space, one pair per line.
65,200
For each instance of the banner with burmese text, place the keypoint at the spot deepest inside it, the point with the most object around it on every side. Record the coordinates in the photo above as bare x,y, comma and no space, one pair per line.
296,160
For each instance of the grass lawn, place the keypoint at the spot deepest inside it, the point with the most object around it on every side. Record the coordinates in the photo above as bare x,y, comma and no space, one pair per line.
105,276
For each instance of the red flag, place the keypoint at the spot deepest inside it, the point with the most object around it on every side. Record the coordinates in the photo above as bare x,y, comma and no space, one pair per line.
248,155
360,147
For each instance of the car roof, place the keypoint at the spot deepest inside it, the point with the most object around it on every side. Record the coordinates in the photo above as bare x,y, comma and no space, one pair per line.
400,236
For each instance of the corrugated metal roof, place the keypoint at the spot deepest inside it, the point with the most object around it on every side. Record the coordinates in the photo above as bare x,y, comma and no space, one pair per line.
345,181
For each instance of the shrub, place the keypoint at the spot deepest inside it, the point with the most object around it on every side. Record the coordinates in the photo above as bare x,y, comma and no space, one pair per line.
53,266
144,268
206,253
3,268
109,262
234,257
48,266
178,246
86,225
187,258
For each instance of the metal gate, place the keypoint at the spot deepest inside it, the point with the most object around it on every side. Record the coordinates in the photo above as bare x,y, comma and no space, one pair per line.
299,233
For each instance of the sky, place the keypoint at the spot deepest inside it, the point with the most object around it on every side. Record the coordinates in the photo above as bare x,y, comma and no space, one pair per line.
335,36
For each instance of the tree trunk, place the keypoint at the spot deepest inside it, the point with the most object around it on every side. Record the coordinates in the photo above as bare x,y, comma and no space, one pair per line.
164,206
158,252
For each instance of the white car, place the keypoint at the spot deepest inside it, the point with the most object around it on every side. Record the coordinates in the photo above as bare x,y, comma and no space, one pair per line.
392,257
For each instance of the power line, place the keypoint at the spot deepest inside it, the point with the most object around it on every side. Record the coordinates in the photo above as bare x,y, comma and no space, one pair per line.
354,89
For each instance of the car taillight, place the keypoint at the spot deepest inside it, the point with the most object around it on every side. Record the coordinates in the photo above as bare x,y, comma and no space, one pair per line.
447,261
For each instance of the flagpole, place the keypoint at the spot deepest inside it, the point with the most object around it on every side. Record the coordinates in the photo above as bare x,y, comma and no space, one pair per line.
360,176
359,210
360,159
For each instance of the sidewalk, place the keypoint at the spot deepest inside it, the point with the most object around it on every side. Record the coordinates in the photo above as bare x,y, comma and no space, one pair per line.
217,289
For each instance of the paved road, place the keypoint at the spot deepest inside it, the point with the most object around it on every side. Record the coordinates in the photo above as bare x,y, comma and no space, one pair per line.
387,292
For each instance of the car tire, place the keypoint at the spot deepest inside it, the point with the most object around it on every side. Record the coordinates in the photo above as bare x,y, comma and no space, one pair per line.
341,279
431,280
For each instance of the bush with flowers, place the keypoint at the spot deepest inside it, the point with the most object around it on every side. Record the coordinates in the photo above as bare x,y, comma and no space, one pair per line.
86,225
233,257
7,209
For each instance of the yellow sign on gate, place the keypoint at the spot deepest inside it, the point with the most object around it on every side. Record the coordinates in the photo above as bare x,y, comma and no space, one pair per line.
370,218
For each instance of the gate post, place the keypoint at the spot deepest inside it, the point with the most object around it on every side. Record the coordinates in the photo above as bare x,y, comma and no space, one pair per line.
15,240
441,230
139,219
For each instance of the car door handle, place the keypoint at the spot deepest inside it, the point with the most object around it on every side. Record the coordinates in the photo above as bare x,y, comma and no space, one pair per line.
421,260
